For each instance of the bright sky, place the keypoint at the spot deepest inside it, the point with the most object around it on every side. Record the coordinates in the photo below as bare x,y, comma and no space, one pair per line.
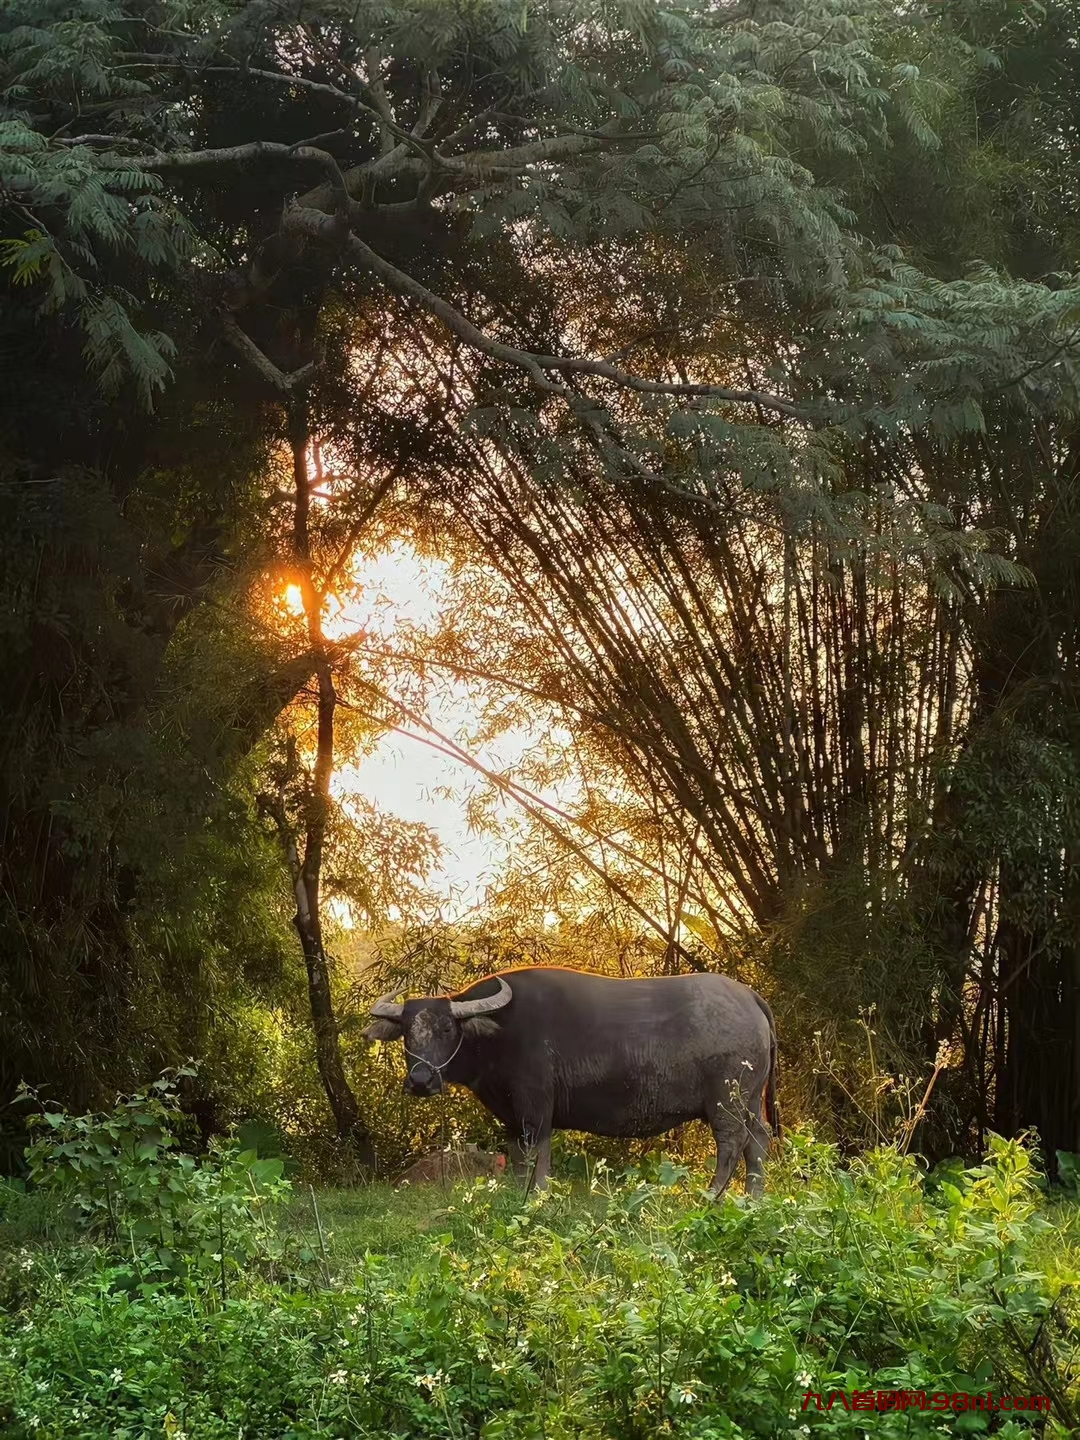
403,776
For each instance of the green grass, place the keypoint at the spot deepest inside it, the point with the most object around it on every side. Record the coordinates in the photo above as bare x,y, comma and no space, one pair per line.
619,1310
377,1219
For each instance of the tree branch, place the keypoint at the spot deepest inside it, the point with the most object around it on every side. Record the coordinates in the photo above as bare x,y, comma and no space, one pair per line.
253,150
542,810
316,225
356,529
285,384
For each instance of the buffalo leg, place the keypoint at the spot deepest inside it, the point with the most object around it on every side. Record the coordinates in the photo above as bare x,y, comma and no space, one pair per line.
517,1155
530,1155
542,1162
730,1138
728,1119
754,1152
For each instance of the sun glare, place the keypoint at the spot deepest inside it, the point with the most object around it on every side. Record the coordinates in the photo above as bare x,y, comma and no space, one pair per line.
384,605
392,591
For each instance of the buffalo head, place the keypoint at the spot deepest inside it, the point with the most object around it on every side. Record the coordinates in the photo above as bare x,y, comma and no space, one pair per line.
434,1030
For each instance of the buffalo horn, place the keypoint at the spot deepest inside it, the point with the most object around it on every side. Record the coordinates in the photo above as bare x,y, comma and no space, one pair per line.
387,1008
467,1009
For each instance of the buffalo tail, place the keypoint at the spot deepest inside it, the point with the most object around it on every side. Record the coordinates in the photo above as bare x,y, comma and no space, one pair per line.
772,1110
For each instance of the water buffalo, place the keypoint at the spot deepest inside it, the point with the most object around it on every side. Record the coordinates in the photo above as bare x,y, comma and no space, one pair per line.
546,1048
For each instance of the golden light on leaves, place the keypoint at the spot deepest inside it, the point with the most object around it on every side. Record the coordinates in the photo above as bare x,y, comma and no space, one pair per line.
390,607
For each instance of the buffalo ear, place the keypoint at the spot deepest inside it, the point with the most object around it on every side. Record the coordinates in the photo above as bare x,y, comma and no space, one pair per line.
383,1030
479,1025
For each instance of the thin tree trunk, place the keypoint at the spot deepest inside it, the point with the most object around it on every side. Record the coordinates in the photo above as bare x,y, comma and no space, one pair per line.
307,869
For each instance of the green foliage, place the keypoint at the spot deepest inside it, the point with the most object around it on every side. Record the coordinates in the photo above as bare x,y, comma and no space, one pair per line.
1020,790
101,204
173,1217
1069,1172
612,1312
141,917
940,355
738,125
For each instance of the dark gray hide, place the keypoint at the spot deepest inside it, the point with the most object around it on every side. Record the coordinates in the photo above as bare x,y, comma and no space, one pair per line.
568,1050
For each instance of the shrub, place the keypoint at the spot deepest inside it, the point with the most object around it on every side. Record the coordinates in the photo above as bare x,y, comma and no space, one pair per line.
610,1311
168,1214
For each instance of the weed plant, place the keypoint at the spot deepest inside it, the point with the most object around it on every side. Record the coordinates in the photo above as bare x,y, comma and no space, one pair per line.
145,1294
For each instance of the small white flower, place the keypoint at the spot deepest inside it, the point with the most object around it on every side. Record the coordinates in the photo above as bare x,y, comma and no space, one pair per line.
686,1395
747,1065
789,1278
501,1366
725,1278
430,1382
117,1376
339,1377
804,1380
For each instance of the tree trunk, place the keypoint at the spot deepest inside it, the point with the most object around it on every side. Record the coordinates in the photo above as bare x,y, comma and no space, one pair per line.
1037,1076
307,870
339,1092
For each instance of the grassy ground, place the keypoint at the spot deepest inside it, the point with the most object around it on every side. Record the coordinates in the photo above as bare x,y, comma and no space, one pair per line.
344,1225
619,1310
